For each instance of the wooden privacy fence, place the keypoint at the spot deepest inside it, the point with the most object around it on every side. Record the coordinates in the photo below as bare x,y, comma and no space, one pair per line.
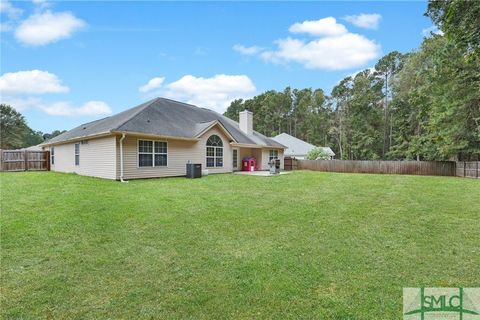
290,164
468,169
431,168
23,160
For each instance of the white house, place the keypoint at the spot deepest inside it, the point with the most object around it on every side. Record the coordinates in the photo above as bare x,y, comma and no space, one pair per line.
297,148
157,139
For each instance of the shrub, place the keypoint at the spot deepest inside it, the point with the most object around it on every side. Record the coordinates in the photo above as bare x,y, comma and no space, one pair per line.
317,154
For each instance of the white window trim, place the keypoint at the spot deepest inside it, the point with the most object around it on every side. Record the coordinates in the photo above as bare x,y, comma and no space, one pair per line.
214,153
153,154
270,158
214,157
76,154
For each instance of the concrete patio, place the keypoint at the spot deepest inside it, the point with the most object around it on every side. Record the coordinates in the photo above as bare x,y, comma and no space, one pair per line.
260,173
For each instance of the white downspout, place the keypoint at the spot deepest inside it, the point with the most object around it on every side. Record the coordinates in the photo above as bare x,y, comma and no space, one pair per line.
121,157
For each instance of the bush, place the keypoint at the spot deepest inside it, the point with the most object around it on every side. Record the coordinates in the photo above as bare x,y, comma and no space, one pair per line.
318,154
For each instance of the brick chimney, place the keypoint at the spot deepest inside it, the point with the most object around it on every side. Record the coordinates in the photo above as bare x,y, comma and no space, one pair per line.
246,121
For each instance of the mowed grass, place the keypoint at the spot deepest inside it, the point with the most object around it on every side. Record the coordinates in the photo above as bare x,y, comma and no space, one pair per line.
299,246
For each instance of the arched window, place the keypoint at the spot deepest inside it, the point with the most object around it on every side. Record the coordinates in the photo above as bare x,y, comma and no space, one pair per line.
214,152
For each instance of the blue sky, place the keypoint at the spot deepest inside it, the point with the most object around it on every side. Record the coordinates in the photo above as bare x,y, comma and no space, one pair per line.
66,63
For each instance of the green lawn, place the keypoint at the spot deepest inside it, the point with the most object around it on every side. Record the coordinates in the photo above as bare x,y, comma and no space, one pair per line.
304,245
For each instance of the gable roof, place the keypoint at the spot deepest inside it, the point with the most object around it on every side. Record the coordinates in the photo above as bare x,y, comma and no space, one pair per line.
298,147
203,127
164,117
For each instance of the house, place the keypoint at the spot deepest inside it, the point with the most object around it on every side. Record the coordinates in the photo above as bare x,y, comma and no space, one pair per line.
37,147
32,148
297,148
157,139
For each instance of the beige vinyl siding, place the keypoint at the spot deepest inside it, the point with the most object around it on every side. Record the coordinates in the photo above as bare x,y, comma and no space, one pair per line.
97,158
257,153
250,152
243,153
266,155
261,155
100,157
179,153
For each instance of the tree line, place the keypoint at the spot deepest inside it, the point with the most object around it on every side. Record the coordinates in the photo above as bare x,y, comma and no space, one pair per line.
422,105
15,132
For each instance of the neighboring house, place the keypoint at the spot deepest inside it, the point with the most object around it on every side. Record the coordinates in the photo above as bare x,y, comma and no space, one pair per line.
157,139
34,148
297,148
31,148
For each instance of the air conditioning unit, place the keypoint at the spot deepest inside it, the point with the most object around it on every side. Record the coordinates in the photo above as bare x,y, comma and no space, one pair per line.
194,170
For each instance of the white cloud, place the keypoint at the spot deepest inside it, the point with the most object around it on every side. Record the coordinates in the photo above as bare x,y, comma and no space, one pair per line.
331,53
21,90
216,92
47,27
367,21
154,83
333,48
30,82
11,11
91,108
62,108
322,27
247,50
21,104
41,4
433,29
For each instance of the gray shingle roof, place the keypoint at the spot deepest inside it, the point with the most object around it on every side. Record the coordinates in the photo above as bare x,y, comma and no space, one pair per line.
164,117
297,147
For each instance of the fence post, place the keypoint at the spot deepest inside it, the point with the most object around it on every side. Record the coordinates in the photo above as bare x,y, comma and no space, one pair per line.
477,169
25,160
47,159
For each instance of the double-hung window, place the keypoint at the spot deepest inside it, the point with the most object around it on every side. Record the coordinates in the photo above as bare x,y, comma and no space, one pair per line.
160,154
214,152
77,154
152,153
52,155
273,155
